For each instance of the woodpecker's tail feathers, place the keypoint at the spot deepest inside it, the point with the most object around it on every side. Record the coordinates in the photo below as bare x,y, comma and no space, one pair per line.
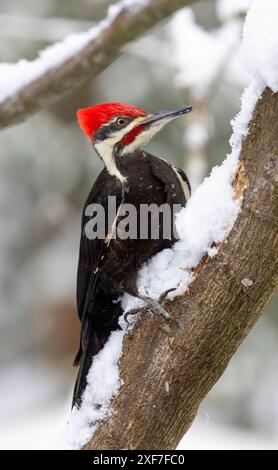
93,338
85,358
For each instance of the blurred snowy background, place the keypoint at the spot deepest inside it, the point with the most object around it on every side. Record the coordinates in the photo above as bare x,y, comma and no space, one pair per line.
46,170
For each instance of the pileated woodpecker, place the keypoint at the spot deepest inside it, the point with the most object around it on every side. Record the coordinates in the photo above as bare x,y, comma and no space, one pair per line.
108,266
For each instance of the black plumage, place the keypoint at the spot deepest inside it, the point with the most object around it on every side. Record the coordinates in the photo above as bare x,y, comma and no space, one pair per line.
108,269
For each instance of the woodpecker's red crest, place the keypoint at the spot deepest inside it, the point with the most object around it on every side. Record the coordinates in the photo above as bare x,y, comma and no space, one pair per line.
93,118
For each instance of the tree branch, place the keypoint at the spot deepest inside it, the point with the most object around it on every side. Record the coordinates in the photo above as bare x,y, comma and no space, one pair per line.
167,372
129,24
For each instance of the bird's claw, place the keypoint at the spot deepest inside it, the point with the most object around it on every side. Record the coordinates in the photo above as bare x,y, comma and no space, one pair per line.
164,294
154,305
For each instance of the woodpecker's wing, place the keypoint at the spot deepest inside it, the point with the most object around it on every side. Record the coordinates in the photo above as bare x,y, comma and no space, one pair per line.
91,250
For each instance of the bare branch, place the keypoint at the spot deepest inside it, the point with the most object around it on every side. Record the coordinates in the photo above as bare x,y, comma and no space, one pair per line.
100,52
166,371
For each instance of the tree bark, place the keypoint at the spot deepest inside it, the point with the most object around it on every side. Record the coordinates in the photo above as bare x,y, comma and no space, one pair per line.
167,372
129,24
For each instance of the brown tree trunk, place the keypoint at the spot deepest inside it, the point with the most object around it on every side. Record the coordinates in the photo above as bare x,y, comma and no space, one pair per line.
166,371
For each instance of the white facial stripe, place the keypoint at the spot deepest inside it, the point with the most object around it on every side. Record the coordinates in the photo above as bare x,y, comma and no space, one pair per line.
105,149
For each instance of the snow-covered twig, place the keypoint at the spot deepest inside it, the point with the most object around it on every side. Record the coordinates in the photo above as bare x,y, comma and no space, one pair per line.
28,86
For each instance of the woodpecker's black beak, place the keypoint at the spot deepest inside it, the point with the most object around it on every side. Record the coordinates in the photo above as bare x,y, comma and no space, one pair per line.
166,115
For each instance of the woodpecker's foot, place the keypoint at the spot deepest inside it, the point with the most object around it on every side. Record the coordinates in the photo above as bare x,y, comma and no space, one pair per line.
155,306
134,311
164,295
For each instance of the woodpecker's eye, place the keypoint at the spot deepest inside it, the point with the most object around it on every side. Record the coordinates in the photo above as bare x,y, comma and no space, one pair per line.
121,122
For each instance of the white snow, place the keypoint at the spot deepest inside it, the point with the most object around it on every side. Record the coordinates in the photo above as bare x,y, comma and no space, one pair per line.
230,8
260,35
132,5
246,282
200,55
13,77
205,222
212,252
103,383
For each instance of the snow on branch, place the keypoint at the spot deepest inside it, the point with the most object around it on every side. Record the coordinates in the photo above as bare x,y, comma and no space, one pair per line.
231,8
260,35
27,86
204,226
